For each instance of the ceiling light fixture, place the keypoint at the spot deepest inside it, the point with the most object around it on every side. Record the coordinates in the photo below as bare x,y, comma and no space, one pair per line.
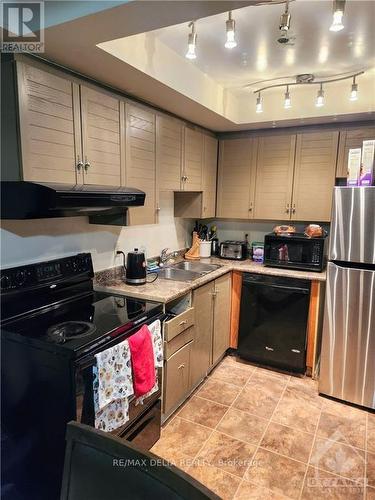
192,42
230,28
354,91
287,99
259,104
338,14
319,102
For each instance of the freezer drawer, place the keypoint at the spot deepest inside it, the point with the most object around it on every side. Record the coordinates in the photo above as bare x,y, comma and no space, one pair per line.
348,344
352,237
273,321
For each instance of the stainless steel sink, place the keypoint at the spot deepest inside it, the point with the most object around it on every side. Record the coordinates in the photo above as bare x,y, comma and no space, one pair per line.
196,267
186,271
169,273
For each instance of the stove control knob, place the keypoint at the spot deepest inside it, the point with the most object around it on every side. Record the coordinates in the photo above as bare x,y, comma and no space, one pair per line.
5,282
20,278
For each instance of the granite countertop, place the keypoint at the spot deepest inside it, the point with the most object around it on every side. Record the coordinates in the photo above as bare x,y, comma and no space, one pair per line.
162,290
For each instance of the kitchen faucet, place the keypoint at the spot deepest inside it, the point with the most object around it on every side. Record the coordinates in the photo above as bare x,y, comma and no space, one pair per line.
165,257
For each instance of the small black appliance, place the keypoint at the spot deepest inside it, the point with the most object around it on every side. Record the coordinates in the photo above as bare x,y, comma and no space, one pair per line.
136,268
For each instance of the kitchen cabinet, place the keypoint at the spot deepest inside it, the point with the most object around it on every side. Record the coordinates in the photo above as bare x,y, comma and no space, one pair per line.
351,138
102,135
209,176
212,304
169,135
193,159
236,178
50,130
141,162
274,177
176,375
314,175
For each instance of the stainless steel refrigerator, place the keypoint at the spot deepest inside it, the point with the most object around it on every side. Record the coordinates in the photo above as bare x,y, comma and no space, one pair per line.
347,369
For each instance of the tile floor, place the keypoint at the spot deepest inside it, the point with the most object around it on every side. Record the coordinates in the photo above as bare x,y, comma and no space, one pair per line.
250,433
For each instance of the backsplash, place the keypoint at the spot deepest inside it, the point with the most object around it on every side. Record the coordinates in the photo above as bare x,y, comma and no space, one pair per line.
28,241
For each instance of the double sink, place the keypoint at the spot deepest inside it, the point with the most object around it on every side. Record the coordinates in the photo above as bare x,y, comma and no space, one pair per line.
186,270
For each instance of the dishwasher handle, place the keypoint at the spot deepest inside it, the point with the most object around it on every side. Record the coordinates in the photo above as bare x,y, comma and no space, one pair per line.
279,282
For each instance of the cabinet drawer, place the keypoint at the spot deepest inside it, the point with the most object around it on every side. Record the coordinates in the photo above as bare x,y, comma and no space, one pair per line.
177,377
177,342
179,324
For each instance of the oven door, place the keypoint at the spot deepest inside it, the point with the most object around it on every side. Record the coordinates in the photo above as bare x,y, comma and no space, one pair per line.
298,253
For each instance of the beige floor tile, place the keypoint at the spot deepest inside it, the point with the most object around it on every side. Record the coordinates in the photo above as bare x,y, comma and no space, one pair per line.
296,413
323,485
203,412
251,491
343,429
342,409
243,426
370,493
232,374
219,391
239,363
173,455
185,436
279,474
220,482
371,469
371,433
226,453
339,459
260,398
269,372
287,441
305,390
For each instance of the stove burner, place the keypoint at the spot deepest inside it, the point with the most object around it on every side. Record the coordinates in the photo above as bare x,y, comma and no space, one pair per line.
70,329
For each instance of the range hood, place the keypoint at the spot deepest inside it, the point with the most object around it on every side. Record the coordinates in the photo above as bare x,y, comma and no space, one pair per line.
30,200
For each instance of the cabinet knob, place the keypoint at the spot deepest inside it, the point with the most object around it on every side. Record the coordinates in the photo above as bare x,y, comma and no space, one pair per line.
250,209
87,164
182,366
158,209
183,322
79,164
294,209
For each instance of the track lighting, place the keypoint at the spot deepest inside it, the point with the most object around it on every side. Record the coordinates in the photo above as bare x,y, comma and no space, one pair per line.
287,99
259,104
338,14
230,28
320,97
192,42
354,91
285,18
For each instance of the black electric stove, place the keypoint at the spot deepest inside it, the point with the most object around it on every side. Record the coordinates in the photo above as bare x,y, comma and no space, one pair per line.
53,323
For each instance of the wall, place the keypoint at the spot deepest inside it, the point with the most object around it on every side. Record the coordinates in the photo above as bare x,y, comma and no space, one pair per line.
36,240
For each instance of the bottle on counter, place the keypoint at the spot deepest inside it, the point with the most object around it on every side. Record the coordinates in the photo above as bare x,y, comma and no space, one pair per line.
214,241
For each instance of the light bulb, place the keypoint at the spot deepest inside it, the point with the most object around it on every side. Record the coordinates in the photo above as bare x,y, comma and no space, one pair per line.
230,28
338,15
192,43
320,98
354,92
287,99
259,104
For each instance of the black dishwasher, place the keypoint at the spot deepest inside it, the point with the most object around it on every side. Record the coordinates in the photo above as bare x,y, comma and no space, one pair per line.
273,321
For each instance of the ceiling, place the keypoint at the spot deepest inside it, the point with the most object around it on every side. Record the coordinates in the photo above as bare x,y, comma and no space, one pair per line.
139,48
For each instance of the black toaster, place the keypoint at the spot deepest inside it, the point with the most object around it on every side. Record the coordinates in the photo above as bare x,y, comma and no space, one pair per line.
235,250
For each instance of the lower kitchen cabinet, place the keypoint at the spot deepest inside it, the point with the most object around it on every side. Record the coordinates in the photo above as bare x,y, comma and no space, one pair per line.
177,383
222,309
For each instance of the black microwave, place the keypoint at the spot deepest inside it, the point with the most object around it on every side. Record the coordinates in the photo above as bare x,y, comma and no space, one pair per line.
295,251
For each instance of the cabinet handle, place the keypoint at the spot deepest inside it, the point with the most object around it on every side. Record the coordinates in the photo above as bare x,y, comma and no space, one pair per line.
269,348
183,322
294,209
87,164
79,164
250,209
158,209
182,366
287,211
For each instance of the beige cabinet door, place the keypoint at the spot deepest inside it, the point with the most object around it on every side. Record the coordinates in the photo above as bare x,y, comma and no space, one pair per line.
209,175
49,126
236,178
314,175
141,162
222,310
201,356
349,139
176,385
101,138
193,160
274,177
169,153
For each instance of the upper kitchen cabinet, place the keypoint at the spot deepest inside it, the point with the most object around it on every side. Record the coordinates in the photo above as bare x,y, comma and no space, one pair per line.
141,162
169,153
274,177
102,136
314,175
50,129
351,138
209,176
236,178
193,160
